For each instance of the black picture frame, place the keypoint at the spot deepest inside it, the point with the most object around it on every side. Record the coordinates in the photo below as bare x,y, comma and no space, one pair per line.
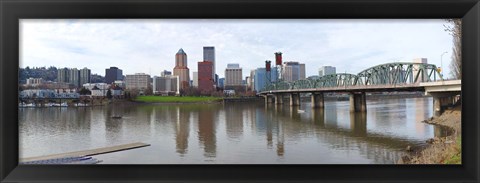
13,10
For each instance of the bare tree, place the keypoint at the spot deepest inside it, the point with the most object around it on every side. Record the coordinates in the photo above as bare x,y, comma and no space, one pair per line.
455,29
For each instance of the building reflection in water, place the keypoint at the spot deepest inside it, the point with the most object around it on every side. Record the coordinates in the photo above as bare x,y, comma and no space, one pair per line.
234,121
280,138
182,130
206,131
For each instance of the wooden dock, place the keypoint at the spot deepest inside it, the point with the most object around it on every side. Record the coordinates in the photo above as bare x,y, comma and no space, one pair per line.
88,152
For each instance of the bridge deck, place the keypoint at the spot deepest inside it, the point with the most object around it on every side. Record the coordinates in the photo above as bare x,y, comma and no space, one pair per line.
374,88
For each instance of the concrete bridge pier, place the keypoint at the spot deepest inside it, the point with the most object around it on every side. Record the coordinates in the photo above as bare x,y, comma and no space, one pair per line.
358,102
279,99
317,100
268,99
442,100
294,99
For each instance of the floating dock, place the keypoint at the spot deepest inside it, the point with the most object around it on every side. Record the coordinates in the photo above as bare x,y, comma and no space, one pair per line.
91,152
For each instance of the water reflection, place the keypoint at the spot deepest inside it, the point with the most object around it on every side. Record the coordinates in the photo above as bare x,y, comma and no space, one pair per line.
239,133
207,131
182,130
358,123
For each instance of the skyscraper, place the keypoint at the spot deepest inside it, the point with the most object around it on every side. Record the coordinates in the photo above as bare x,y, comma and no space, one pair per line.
205,80
291,71
113,74
260,78
326,70
84,76
302,71
63,75
233,75
209,55
74,77
195,79
181,70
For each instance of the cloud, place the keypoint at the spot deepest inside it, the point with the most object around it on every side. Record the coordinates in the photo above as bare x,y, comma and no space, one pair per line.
149,46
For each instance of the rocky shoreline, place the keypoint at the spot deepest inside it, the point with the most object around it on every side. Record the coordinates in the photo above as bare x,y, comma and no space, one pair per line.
440,150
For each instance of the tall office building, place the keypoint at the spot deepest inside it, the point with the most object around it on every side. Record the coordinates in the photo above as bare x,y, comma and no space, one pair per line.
63,75
302,71
138,81
233,75
85,75
113,74
195,79
205,79
260,78
293,71
326,70
209,55
181,69
74,77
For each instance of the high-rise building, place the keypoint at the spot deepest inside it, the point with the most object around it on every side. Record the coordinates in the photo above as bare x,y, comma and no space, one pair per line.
233,75
85,75
195,79
74,77
209,55
326,70
113,74
181,69
205,79
260,79
302,71
292,71
63,75
166,85
138,81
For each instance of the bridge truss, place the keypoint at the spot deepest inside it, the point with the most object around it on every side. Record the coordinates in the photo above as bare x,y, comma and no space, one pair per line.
396,73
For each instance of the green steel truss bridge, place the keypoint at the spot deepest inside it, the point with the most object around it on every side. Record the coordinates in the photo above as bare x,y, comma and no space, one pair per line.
389,77
390,74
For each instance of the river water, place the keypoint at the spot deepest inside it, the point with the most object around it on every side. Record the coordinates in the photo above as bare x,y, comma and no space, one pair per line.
232,133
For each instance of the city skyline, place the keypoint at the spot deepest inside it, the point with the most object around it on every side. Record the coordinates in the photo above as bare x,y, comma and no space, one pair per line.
151,45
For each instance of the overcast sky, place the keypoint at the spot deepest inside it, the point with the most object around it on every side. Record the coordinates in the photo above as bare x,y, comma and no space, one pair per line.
149,46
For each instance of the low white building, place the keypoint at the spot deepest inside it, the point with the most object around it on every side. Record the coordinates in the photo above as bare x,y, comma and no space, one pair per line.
40,93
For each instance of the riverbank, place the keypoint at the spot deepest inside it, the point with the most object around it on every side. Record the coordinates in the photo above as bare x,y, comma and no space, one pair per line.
444,150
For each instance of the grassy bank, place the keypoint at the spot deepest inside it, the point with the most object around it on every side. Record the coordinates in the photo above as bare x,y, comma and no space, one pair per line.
176,99
445,150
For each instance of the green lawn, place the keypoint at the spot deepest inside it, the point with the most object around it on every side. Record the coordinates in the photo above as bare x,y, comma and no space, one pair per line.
176,99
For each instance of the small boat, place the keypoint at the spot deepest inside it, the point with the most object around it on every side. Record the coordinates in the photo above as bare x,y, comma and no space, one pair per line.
301,111
116,117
